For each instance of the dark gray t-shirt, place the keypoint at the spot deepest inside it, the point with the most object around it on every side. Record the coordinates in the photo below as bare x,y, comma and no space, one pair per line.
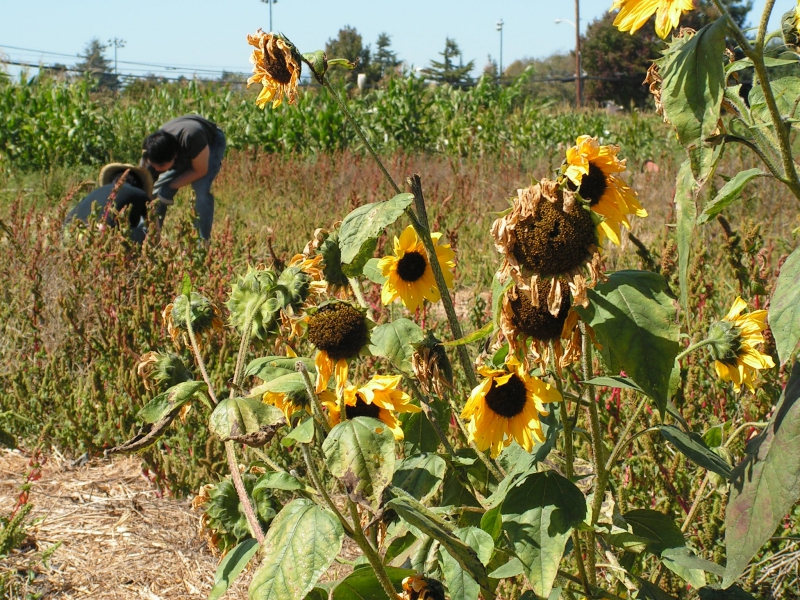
194,133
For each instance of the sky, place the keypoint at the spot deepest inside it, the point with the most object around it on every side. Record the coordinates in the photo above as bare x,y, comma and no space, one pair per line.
210,35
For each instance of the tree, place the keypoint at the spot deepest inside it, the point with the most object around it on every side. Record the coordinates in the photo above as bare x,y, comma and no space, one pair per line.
384,61
490,69
447,71
350,45
96,65
549,79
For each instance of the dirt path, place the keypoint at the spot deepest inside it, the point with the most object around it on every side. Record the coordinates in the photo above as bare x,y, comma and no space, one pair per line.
119,539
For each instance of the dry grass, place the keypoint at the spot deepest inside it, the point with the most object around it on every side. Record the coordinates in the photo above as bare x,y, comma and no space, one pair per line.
119,537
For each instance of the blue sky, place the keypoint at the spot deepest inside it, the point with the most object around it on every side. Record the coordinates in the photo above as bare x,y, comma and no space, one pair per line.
211,34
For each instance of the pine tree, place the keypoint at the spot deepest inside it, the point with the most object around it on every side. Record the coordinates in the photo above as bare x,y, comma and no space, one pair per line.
385,61
96,65
446,71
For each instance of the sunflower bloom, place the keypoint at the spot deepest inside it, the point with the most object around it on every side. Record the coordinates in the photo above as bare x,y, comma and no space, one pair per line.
408,273
635,13
594,171
275,66
733,348
506,406
292,403
549,235
419,587
340,333
379,399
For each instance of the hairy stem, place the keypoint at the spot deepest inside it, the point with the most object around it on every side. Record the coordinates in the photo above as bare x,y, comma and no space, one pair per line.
319,413
355,285
197,356
316,480
623,439
244,499
371,553
692,348
243,343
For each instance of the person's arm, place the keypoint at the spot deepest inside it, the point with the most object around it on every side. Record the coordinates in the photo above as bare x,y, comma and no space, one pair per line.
198,169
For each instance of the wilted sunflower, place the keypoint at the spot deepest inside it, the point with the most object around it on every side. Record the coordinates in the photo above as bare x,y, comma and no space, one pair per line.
635,13
162,370
527,315
276,66
419,587
549,235
379,399
506,406
340,332
204,314
733,345
408,273
593,170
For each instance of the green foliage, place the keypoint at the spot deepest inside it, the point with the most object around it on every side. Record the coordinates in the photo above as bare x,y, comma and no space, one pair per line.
396,342
446,71
349,44
300,546
231,566
784,310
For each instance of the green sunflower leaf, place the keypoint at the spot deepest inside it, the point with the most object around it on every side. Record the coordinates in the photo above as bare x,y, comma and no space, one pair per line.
360,453
659,529
784,309
693,447
685,213
373,273
362,584
395,341
633,318
420,475
301,543
731,191
246,420
692,89
459,582
765,485
270,367
367,223
231,567
175,397
539,514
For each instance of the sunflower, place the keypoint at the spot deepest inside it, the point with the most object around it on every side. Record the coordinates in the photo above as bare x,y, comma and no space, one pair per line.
291,403
506,406
528,315
205,317
733,342
635,13
276,66
593,171
340,332
419,587
408,273
379,399
549,235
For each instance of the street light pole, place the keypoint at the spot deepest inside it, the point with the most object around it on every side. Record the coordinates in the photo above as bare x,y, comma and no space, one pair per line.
500,29
117,43
578,74
270,2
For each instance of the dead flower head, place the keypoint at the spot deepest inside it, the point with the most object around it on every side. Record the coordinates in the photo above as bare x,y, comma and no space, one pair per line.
276,66
549,235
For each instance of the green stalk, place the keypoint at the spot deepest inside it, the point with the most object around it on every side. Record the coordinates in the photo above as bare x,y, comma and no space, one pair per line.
316,480
694,347
430,415
371,553
597,453
319,413
197,356
355,285
487,461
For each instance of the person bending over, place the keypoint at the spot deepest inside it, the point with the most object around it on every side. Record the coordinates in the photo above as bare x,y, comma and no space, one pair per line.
112,196
185,151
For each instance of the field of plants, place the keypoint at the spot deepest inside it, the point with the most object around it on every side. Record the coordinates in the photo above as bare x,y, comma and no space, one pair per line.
657,457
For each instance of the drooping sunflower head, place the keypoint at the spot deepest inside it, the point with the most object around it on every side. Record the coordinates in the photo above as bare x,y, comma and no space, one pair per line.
419,587
409,275
276,66
506,407
205,316
548,234
162,370
593,170
733,345
379,399
340,332
633,14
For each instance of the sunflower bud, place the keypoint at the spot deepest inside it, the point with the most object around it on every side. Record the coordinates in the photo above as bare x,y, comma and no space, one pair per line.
725,341
204,316
162,370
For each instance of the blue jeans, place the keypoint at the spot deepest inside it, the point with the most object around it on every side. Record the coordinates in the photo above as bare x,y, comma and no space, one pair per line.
204,199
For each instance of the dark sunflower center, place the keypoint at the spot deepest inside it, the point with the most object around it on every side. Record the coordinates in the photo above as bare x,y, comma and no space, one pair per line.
552,242
277,65
411,267
538,322
338,329
509,399
593,185
361,409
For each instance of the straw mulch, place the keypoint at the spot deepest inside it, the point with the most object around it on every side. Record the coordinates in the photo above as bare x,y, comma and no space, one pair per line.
119,537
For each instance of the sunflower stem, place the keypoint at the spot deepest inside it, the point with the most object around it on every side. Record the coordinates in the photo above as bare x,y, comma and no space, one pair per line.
422,228
371,553
316,480
244,499
623,439
243,343
319,413
355,285
197,356
426,408
694,347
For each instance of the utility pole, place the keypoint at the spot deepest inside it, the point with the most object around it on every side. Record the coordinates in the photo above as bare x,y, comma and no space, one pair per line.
117,43
500,70
578,74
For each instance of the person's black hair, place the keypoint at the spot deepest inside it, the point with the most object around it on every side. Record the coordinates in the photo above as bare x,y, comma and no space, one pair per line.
160,147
